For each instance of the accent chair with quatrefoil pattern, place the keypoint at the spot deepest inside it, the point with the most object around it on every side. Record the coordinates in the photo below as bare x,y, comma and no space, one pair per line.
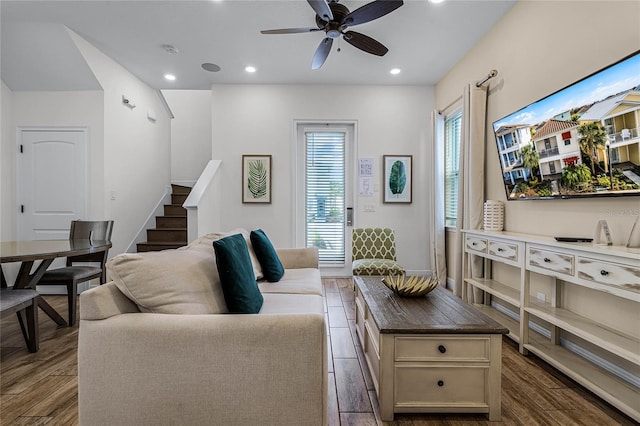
374,252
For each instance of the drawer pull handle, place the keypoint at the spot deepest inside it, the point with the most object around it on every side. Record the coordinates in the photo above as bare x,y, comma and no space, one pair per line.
604,273
442,349
547,260
440,383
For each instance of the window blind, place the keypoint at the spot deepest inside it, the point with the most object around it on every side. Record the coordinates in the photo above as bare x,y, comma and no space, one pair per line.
452,129
324,192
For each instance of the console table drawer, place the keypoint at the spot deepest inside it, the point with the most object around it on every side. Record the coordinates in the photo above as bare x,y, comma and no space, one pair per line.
622,276
551,261
476,244
442,348
504,250
418,386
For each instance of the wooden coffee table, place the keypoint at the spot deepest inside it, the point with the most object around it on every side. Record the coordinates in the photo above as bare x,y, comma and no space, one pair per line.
435,354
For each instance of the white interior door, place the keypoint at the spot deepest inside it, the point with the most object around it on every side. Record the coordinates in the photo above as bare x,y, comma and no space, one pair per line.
52,182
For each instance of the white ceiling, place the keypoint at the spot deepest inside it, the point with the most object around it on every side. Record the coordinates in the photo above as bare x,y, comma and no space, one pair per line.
425,40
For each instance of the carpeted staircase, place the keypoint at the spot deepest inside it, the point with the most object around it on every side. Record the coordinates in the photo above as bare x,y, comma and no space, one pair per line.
171,228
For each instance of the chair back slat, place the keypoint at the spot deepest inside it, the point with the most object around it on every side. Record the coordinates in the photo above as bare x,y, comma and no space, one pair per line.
96,230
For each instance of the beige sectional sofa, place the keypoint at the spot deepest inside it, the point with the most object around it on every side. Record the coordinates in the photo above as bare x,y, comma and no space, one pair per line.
138,365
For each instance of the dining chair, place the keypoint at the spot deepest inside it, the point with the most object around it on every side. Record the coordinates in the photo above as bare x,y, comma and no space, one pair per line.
374,252
73,274
23,302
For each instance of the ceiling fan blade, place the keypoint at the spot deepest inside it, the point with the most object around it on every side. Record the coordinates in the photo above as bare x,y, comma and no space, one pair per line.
365,43
371,11
322,9
321,53
290,30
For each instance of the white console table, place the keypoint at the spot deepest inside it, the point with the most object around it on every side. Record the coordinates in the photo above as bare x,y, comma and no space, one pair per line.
600,268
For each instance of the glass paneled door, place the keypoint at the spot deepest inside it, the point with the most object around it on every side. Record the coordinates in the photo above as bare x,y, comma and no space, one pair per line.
325,198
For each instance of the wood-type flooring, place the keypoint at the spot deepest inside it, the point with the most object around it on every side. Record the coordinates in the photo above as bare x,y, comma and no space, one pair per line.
41,388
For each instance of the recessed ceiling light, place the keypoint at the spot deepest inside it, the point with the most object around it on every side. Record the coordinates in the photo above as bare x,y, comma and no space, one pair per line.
208,66
170,77
436,1
395,71
250,69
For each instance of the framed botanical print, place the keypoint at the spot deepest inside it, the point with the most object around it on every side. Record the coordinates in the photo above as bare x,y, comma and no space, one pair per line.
256,179
398,178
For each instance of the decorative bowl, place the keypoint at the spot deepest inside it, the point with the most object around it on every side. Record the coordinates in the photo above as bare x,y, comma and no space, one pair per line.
412,286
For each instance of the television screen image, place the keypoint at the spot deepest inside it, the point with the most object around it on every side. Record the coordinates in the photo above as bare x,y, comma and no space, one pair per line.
581,141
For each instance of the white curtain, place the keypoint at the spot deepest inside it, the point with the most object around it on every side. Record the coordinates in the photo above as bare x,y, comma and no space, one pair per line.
471,178
437,226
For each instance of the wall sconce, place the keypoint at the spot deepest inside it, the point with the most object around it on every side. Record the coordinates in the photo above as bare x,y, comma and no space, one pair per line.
127,102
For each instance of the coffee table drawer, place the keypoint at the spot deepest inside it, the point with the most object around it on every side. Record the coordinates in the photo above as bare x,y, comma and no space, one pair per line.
418,386
442,348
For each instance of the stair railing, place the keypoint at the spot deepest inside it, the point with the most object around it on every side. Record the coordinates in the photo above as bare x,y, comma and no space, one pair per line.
203,203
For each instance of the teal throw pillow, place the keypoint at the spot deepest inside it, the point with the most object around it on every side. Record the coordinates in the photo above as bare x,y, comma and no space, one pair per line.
272,268
241,292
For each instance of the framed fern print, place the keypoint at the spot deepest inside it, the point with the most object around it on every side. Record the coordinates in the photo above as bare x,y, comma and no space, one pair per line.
398,178
256,179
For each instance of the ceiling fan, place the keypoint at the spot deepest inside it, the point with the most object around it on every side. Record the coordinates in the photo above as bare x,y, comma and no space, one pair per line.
334,18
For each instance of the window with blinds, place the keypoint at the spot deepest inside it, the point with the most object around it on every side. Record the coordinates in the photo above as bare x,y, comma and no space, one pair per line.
325,195
452,129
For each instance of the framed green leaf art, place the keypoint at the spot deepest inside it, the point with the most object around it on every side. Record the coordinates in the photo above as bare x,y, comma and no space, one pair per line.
256,179
398,178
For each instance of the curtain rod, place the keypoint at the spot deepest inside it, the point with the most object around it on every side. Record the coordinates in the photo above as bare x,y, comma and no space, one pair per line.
489,76
479,83
440,111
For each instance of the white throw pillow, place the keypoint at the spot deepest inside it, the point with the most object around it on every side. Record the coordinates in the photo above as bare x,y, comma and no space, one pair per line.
171,281
206,243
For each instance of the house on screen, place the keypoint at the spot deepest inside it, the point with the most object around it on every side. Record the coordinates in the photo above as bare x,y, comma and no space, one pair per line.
620,118
511,139
557,144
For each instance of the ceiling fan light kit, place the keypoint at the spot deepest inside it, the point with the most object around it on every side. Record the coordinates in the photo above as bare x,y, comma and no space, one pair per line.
334,18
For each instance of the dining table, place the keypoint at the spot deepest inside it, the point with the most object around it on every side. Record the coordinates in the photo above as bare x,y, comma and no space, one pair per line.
27,253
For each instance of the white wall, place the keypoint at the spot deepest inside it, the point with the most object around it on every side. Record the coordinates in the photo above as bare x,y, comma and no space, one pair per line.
539,47
7,166
190,133
137,166
259,119
564,42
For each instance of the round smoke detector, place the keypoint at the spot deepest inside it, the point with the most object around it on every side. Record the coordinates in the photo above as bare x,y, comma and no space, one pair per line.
208,66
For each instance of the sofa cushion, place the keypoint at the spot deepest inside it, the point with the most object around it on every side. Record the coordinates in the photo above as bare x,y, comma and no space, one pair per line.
169,282
239,285
204,243
295,281
271,266
278,304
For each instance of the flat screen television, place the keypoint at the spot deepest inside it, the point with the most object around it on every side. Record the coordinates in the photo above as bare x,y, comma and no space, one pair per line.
581,141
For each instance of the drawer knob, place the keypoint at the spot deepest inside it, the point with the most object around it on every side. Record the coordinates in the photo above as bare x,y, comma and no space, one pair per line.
604,273
547,260
442,349
500,249
440,383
